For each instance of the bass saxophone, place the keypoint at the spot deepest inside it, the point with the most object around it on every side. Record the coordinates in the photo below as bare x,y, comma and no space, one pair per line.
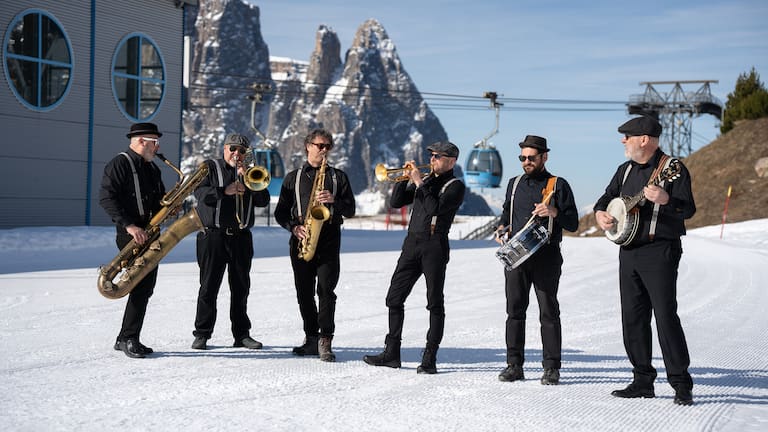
135,261
316,215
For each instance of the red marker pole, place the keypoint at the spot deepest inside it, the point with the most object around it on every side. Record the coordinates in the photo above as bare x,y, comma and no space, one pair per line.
725,211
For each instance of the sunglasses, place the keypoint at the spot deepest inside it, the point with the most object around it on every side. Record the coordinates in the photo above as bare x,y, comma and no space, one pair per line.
323,146
529,158
436,156
154,141
235,148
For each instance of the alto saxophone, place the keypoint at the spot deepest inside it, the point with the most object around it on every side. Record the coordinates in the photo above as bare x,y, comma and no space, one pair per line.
135,261
316,215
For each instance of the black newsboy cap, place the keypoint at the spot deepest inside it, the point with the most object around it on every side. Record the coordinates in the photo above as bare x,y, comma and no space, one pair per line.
143,129
237,139
536,142
641,126
446,148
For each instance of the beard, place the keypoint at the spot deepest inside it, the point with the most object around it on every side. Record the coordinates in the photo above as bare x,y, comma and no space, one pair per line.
532,169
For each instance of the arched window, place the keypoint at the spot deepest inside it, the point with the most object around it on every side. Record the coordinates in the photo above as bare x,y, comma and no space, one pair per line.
38,60
138,77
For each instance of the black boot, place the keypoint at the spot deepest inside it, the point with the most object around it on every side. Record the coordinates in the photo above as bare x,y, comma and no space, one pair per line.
428,360
309,348
390,357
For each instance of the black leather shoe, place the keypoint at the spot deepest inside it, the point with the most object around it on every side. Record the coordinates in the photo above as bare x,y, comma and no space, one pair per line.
145,349
512,373
634,391
248,342
131,348
551,377
683,396
200,343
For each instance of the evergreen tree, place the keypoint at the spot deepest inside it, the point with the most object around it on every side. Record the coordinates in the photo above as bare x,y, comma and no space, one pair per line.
748,101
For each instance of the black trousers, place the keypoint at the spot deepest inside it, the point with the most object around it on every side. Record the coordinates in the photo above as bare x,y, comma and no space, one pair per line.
421,254
320,275
218,251
542,270
138,299
648,284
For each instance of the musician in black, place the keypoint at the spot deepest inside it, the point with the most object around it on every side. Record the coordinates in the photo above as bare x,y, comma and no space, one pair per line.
225,206
321,273
131,190
648,265
435,199
524,207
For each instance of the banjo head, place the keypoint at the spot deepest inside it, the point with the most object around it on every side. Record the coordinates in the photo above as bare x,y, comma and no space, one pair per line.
625,221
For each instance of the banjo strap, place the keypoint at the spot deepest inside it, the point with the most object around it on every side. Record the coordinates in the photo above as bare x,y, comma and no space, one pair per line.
663,164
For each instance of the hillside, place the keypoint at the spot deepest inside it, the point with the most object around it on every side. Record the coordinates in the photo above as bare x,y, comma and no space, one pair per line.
730,160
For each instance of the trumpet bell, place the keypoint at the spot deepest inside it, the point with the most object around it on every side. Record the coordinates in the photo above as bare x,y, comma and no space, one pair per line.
256,178
384,174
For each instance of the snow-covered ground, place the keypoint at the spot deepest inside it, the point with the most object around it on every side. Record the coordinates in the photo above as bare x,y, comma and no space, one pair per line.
59,371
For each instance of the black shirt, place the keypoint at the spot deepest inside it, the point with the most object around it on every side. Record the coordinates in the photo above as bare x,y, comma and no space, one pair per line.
287,211
217,209
431,204
529,193
117,195
670,224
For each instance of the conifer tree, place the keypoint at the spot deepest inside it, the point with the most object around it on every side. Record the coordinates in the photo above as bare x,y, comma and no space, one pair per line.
748,101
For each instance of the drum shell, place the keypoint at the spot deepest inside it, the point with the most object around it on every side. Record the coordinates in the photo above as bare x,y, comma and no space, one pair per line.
522,245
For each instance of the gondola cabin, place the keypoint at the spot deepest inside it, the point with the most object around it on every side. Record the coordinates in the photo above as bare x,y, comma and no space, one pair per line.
483,168
273,162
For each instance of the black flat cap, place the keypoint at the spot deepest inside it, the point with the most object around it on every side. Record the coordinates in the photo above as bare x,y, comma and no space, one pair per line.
445,148
237,139
536,142
641,126
143,129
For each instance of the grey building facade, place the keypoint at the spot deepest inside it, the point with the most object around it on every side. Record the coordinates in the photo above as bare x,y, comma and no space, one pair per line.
75,75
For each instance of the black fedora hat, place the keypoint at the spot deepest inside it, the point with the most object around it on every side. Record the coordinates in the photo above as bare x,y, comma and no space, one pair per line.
143,129
536,142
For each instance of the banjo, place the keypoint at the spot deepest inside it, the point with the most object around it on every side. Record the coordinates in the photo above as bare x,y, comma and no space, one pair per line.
625,211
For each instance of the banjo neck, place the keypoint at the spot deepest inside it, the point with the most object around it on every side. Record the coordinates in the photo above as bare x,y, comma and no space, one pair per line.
660,175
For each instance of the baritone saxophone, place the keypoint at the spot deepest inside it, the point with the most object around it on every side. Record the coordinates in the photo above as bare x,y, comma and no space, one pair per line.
134,262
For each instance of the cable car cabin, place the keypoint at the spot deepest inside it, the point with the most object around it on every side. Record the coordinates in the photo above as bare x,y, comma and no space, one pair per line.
483,168
271,160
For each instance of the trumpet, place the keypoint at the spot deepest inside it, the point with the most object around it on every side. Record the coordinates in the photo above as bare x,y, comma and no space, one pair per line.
399,174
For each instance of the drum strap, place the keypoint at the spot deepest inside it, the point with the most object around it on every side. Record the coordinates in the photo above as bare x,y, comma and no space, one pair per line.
550,189
139,205
512,200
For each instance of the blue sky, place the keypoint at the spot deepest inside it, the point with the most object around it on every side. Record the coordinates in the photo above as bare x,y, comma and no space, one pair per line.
544,50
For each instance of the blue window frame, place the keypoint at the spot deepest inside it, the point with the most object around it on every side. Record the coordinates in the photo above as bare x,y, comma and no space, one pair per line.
138,77
38,60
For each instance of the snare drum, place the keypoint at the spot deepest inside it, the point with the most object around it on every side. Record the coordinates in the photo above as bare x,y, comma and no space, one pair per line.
522,245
